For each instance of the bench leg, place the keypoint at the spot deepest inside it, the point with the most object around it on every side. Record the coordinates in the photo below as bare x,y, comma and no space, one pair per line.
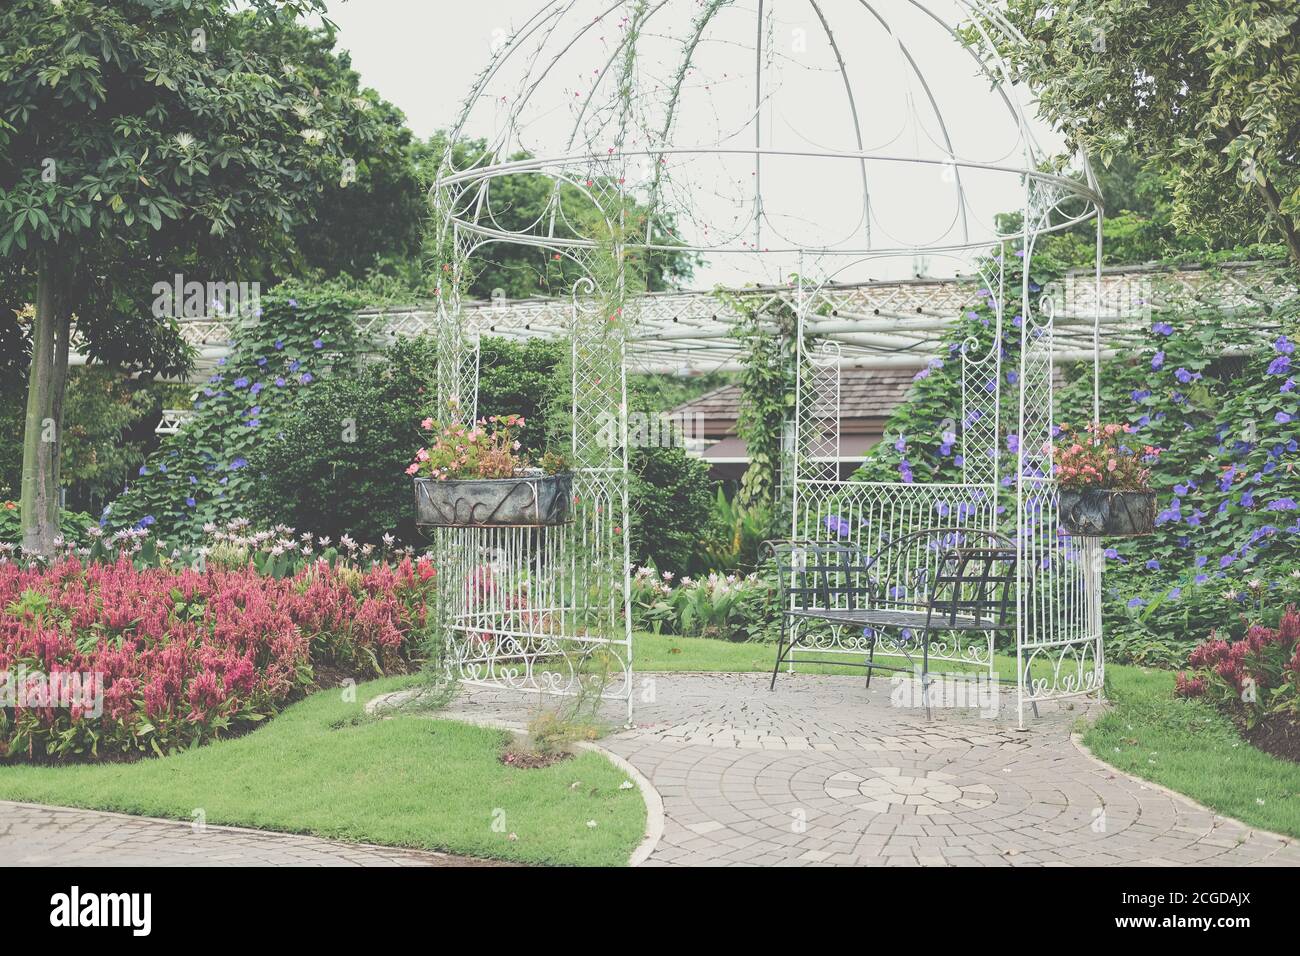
871,658
925,671
780,652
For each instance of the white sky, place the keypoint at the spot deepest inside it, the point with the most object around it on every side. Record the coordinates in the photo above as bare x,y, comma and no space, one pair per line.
424,55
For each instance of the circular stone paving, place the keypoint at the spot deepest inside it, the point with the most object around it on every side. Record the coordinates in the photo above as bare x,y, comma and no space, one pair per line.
887,789
824,771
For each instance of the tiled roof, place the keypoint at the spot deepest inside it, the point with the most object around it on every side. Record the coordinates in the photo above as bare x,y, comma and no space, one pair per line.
864,393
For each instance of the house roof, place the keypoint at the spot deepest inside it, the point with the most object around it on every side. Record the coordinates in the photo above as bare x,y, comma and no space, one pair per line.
864,393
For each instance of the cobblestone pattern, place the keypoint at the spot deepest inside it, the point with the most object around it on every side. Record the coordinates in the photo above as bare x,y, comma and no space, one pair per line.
823,771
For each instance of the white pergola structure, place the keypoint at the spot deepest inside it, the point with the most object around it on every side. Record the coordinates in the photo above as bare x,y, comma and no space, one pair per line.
807,145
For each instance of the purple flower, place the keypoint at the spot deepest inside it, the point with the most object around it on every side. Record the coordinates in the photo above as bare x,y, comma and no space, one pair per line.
1185,376
256,388
237,464
279,344
191,502
305,378
1283,345
241,383
1282,418
1158,361
1162,328
293,303
295,365
317,344
279,381
1280,365
1288,386
261,361
1282,504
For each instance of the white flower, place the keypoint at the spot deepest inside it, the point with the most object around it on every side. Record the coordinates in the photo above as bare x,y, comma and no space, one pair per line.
324,542
314,137
388,540
184,141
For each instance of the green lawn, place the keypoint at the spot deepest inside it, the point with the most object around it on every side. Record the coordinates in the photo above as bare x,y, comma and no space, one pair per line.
652,652
323,767
1187,746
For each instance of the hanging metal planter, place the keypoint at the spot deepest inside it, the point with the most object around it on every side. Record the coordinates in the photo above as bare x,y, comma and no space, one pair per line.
522,501
1107,512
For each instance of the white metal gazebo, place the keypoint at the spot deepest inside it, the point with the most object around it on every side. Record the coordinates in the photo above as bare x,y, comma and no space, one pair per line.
804,145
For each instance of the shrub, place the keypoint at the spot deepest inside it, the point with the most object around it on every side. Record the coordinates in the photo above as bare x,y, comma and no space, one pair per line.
724,606
301,338
72,526
1254,677
671,503
179,658
336,463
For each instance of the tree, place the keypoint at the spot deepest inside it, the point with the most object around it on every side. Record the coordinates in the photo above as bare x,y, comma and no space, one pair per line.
137,137
1202,89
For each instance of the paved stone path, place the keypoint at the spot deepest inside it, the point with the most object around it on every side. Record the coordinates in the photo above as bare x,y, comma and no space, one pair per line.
820,771
57,836
823,771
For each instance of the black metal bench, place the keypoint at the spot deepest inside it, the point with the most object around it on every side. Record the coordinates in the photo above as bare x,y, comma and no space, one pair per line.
935,580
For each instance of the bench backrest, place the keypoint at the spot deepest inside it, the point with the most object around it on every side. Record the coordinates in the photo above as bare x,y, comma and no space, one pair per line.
947,573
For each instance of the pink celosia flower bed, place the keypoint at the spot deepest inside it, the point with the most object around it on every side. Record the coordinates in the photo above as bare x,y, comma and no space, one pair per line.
1255,677
170,658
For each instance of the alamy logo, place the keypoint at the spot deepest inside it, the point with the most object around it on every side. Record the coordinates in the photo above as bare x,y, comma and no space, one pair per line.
179,299
75,909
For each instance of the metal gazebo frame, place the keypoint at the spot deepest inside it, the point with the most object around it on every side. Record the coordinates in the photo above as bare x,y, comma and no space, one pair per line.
618,178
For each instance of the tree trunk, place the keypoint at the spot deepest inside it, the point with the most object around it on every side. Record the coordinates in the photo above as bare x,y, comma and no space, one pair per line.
1284,222
42,429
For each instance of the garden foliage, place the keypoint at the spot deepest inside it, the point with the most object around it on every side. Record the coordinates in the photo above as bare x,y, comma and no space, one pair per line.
1206,387
200,475
178,658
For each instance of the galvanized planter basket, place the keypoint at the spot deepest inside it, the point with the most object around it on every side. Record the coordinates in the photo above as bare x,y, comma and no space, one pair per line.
522,501
1105,512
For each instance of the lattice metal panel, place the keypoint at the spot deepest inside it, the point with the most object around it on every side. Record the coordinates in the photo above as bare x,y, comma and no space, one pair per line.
870,515
819,413
1059,591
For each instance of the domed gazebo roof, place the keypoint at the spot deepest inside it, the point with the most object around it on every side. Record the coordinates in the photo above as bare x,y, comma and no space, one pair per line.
822,127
